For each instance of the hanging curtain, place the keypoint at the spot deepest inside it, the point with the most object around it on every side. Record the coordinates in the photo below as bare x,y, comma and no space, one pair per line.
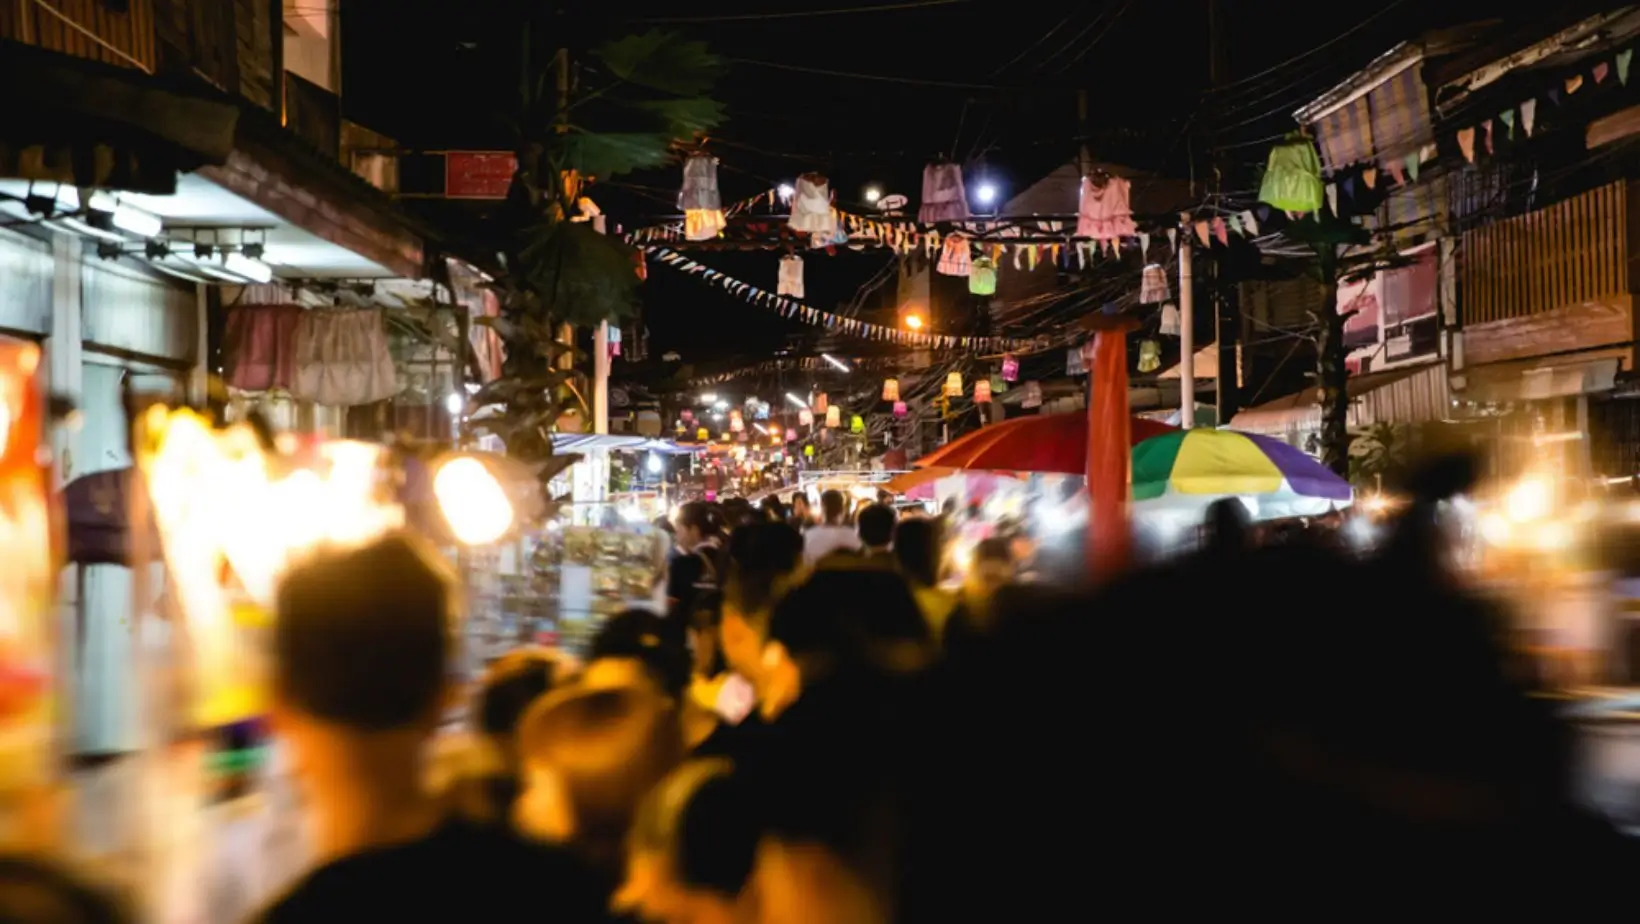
954,257
700,200
1104,212
259,347
342,359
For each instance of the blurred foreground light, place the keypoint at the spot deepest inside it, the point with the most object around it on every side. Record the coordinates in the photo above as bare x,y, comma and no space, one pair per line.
454,402
787,190
656,466
987,194
1375,505
914,321
1494,529
473,502
1530,499
873,194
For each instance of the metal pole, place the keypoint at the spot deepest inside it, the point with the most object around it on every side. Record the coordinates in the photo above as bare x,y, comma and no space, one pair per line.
1187,335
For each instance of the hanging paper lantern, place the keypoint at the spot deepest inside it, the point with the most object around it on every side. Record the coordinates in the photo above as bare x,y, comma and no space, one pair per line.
728,437
1033,395
808,450
1292,180
1150,356
891,389
805,418
834,416
703,435
820,403
899,409
687,416
791,435
1010,369
736,424
702,204
998,386
953,385
856,424
982,277
982,391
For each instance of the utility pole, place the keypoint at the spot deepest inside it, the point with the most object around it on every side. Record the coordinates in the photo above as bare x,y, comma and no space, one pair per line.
1226,307
1187,334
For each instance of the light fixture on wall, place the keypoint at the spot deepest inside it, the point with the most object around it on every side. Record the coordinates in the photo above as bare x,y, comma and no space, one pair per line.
248,267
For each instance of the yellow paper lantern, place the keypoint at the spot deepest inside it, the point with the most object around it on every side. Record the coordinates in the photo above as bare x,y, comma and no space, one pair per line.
953,385
891,389
834,417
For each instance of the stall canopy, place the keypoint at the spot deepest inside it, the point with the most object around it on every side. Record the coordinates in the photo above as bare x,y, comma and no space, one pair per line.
1041,443
583,442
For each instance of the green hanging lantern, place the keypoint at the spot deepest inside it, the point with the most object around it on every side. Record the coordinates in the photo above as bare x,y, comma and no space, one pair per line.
1150,355
1292,180
856,424
982,276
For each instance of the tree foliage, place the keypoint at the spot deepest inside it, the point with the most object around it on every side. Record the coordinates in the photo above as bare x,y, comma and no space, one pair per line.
627,107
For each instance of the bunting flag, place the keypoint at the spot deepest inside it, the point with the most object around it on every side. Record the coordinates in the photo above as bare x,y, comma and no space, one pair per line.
803,364
807,314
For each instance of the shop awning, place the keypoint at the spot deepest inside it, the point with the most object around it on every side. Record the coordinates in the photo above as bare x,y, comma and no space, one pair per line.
1539,380
582,442
86,123
1411,394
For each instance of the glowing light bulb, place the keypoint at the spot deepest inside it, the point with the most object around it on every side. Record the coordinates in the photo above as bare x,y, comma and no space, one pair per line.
473,502
787,190
454,403
656,466
1530,499
987,193
914,321
873,194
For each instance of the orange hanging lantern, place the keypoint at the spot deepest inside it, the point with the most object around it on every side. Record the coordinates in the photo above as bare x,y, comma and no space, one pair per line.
891,389
820,403
834,416
982,391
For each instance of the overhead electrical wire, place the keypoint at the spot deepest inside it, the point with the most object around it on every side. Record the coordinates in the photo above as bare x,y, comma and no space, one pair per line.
1114,20
1033,46
1382,12
882,78
805,14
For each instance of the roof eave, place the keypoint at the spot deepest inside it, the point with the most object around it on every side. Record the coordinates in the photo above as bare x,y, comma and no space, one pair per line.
1382,68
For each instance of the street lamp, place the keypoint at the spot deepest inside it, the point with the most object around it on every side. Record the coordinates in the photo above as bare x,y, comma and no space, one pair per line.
873,194
914,321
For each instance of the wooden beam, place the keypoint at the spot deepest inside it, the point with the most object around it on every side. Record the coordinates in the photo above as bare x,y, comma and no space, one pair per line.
1615,127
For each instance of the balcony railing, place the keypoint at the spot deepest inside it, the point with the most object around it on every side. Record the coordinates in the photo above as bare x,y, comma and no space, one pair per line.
121,34
1570,253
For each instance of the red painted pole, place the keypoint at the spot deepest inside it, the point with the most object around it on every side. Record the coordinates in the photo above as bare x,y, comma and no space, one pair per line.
1110,537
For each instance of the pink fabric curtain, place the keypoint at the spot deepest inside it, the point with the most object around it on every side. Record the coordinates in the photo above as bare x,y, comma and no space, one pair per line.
259,347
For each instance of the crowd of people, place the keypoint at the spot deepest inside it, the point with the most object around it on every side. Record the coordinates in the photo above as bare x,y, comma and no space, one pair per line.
808,736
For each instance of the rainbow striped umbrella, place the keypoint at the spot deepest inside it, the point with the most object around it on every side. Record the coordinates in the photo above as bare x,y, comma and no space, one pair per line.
1192,468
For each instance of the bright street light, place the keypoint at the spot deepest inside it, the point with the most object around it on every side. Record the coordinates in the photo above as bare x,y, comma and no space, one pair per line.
873,194
656,466
914,321
787,190
708,398
987,193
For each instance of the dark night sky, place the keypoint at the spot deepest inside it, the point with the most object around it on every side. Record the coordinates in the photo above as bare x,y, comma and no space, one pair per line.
992,83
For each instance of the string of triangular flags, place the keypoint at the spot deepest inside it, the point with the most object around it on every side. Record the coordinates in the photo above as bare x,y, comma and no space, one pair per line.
805,364
989,239
807,314
1483,138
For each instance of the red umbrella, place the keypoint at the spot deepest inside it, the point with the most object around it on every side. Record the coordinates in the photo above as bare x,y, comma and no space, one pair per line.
1040,443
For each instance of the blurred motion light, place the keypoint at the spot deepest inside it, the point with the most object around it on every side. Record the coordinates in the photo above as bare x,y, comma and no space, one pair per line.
836,363
787,190
454,402
473,502
708,398
796,401
914,321
1530,499
655,465
986,194
873,194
